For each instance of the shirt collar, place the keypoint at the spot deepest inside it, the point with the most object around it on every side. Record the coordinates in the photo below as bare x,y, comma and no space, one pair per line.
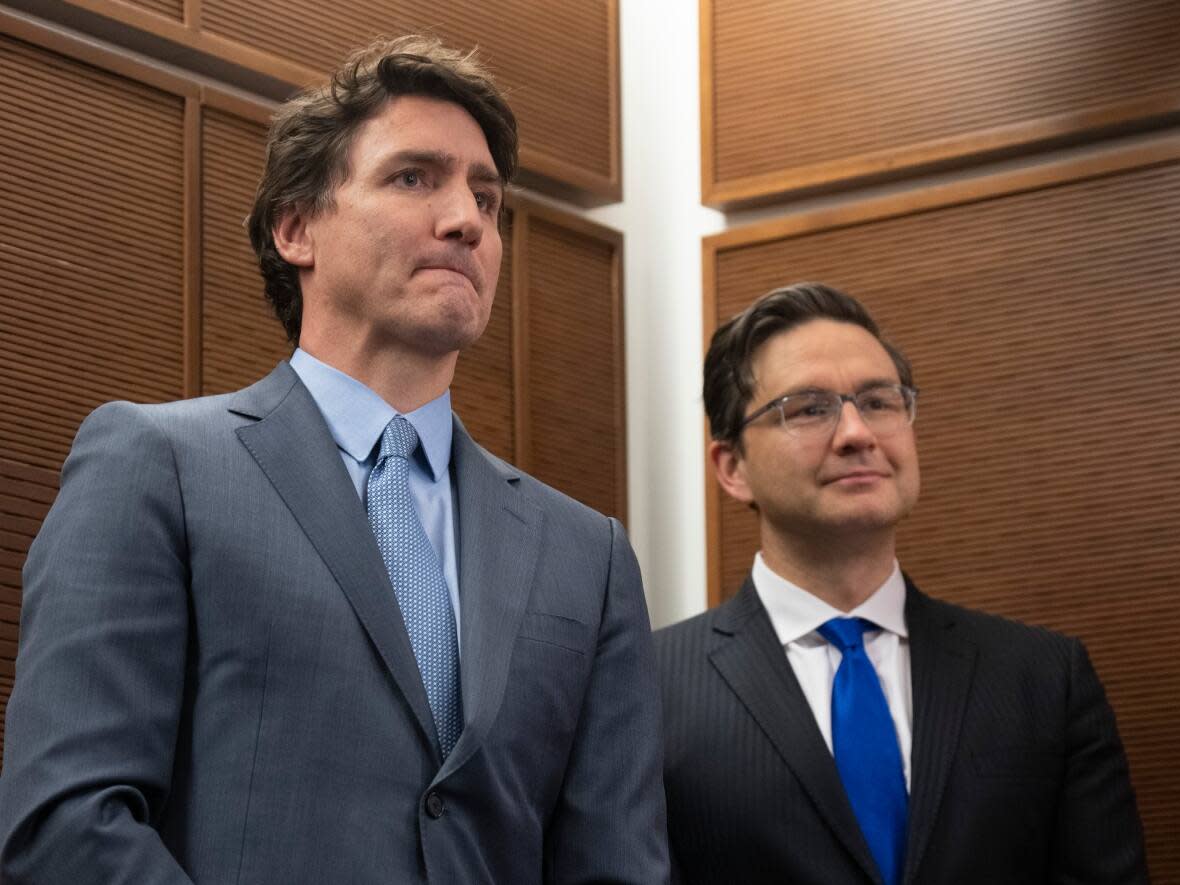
795,613
357,415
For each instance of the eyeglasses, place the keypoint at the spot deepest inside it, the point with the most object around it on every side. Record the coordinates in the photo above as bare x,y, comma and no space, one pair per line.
884,408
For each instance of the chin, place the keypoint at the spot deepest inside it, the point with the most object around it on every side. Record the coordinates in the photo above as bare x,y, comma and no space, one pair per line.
875,518
448,338
455,326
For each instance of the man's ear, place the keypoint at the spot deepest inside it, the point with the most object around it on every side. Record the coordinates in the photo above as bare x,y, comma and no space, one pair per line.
730,468
293,238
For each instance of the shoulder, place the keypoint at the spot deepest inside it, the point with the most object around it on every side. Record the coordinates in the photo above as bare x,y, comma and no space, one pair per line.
135,441
122,424
556,506
692,636
129,431
996,637
188,419
682,660
687,637
161,416
683,648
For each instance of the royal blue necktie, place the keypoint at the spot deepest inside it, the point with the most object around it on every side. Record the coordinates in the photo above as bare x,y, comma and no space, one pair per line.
417,579
865,745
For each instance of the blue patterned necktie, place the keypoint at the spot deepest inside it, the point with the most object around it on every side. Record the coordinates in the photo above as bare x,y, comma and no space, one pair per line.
864,743
417,579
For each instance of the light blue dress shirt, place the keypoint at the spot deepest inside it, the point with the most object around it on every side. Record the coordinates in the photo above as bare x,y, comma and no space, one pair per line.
356,416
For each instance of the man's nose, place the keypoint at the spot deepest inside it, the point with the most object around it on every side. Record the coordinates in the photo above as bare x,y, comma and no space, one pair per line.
852,432
459,216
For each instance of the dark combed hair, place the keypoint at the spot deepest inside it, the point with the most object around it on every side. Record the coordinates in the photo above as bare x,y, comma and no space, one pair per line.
729,374
310,138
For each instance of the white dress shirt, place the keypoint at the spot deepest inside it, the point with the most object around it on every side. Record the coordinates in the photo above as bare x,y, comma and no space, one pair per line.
797,614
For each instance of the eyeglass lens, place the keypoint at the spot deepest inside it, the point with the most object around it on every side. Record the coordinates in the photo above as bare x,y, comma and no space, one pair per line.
883,409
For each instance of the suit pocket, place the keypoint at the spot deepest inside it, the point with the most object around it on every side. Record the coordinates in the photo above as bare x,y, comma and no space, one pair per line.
556,630
1018,762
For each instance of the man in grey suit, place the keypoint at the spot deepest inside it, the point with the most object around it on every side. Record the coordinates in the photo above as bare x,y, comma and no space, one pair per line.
833,725
310,632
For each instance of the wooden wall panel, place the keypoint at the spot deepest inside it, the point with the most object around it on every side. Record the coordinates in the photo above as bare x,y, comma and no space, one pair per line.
241,339
558,67
90,230
483,393
90,307
561,68
814,92
1043,327
575,408
543,388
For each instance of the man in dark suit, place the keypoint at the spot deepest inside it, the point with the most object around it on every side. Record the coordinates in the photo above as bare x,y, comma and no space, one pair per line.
833,725
310,632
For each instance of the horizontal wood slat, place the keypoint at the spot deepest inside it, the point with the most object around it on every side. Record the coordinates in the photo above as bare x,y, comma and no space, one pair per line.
822,91
1043,329
173,9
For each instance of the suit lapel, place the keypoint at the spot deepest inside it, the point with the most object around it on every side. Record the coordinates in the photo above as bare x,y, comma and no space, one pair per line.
293,446
941,663
499,534
747,654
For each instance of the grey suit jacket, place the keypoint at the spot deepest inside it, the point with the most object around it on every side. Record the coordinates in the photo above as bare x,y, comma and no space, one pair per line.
214,682
1018,773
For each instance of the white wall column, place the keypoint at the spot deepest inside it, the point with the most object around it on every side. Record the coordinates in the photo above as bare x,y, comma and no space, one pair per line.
663,221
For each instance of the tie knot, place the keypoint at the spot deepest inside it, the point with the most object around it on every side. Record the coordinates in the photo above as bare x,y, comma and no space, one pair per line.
398,439
846,633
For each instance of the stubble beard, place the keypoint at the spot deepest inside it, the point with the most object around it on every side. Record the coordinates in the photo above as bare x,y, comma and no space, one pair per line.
452,325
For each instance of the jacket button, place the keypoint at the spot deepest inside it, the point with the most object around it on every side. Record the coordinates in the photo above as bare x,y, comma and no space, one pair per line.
435,805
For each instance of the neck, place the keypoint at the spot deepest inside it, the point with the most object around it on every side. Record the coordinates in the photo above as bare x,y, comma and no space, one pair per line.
405,379
841,571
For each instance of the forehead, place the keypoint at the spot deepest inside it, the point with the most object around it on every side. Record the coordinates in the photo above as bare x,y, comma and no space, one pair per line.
821,353
419,123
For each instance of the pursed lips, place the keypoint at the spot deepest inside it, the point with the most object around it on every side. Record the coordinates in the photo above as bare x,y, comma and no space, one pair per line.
465,268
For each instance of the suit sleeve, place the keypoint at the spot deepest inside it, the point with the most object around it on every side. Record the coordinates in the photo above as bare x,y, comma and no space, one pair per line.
609,825
92,723
1099,839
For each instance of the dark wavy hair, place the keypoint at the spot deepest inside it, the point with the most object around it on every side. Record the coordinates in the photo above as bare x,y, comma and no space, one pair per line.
310,138
729,373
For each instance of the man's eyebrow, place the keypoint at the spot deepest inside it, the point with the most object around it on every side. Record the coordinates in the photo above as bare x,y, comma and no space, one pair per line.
877,382
481,173
423,157
863,386
794,391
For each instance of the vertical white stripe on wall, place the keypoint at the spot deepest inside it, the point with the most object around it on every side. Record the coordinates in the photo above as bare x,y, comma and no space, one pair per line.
663,221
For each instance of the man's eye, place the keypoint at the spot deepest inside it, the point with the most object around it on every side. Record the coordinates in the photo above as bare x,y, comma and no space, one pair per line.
486,201
409,177
881,401
805,409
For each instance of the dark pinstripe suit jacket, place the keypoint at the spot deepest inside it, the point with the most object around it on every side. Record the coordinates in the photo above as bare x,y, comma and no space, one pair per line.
1018,773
